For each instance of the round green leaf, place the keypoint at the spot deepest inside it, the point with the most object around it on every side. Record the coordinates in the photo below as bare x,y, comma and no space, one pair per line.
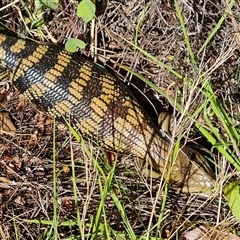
73,44
232,193
86,10
51,4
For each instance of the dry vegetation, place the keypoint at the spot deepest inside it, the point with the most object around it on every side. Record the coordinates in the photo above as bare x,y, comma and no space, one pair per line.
26,158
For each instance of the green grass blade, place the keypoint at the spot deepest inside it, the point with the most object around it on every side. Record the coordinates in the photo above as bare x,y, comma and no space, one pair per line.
217,27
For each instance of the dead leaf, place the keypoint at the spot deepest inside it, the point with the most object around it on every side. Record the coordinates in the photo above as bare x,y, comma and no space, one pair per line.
48,120
111,157
19,200
5,180
65,168
203,233
196,234
33,140
6,124
233,237
68,204
61,127
22,102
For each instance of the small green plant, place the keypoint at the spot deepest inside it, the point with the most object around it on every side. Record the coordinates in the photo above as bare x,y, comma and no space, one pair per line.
232,193
73,44
86,10
36,17
51,4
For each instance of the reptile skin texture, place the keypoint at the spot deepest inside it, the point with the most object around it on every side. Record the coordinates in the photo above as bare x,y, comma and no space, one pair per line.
100,107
